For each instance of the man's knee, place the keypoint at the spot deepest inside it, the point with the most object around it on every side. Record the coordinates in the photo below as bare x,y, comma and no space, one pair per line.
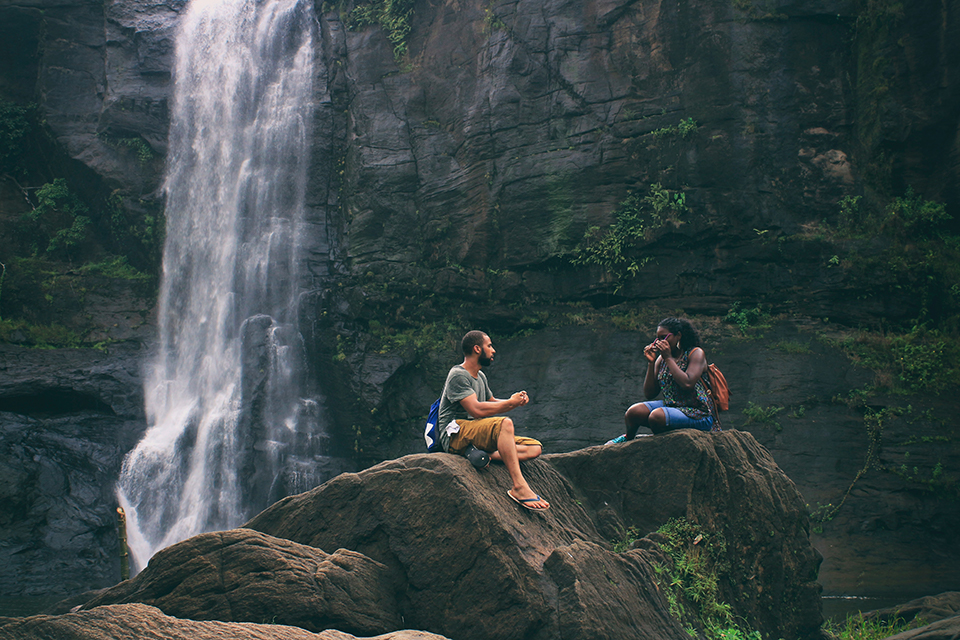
506,427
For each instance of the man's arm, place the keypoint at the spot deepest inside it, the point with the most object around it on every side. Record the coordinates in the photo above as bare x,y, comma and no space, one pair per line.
492,407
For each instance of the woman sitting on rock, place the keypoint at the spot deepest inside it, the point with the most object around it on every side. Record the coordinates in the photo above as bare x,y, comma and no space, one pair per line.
675,364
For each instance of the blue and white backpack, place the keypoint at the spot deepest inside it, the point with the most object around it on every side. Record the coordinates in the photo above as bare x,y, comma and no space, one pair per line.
432,431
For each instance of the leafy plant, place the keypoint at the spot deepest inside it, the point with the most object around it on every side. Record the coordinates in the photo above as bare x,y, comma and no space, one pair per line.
850,211
393,16
920,360
617,248
747,318
690,581
139,146
58,225
687,127
761,415
630,535
899,246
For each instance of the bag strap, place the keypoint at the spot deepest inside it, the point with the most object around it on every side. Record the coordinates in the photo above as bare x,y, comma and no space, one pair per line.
708,383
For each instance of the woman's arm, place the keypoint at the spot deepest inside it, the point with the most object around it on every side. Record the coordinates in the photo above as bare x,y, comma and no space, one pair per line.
651,386
687,379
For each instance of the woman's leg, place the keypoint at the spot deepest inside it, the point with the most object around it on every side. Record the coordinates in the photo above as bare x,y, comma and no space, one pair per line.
638,416
657,420
674,418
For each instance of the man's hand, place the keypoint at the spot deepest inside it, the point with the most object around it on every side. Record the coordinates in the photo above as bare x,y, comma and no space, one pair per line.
520,398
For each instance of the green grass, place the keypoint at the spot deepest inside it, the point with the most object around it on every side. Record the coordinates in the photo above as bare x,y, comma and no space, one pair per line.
858,627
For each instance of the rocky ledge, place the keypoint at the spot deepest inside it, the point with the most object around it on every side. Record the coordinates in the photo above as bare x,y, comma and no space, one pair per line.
428,542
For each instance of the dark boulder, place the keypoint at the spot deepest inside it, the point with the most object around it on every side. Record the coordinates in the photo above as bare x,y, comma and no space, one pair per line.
469,562
946,629
246,576
142,621
925,610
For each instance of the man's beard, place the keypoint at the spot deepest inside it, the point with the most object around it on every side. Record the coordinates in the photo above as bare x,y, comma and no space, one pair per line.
484,361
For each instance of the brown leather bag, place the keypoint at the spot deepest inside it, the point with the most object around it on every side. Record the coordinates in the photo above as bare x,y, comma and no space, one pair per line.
717,387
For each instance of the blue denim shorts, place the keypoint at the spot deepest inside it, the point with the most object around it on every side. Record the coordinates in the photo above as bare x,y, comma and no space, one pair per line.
677,419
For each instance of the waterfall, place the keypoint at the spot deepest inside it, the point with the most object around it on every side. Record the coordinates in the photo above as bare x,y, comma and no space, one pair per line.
228,427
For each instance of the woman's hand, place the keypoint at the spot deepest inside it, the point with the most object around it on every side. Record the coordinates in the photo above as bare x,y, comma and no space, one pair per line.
663,348
650,352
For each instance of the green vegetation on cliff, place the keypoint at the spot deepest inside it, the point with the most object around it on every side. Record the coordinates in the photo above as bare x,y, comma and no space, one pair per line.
393,16
619,248
691,580
63,237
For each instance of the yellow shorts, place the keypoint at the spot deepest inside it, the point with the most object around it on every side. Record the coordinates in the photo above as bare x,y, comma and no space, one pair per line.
482,434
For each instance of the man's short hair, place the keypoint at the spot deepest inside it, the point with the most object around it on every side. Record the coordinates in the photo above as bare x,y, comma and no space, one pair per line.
472,339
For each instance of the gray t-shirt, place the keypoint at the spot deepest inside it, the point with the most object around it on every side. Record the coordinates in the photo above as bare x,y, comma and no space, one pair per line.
459,385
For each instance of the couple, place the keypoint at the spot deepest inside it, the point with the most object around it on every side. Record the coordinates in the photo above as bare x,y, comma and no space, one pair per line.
675,364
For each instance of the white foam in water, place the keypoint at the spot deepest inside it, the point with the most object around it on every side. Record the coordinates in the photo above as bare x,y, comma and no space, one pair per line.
235,190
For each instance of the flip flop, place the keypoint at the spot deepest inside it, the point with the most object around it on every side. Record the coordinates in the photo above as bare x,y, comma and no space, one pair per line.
525,503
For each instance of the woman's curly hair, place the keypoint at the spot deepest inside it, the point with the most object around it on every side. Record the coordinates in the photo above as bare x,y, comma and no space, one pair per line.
689,337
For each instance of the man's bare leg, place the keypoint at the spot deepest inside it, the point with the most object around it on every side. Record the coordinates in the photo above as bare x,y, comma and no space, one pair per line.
507,449
524,452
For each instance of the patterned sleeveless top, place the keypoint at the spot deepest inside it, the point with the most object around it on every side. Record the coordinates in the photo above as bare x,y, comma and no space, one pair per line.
694,403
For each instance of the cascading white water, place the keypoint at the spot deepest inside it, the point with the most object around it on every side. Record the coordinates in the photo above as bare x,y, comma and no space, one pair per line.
222,399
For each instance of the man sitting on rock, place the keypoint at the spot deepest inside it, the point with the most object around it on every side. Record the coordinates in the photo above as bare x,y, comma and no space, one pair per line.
468,417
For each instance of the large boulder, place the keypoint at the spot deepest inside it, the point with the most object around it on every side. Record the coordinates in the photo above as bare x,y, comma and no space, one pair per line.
143,621
246,576
928,609
468,562
946,629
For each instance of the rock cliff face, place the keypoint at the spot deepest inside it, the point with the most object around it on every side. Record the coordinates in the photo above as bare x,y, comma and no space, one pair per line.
64,430
508,129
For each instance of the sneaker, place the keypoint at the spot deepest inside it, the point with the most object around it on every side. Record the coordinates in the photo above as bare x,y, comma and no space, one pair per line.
618,439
